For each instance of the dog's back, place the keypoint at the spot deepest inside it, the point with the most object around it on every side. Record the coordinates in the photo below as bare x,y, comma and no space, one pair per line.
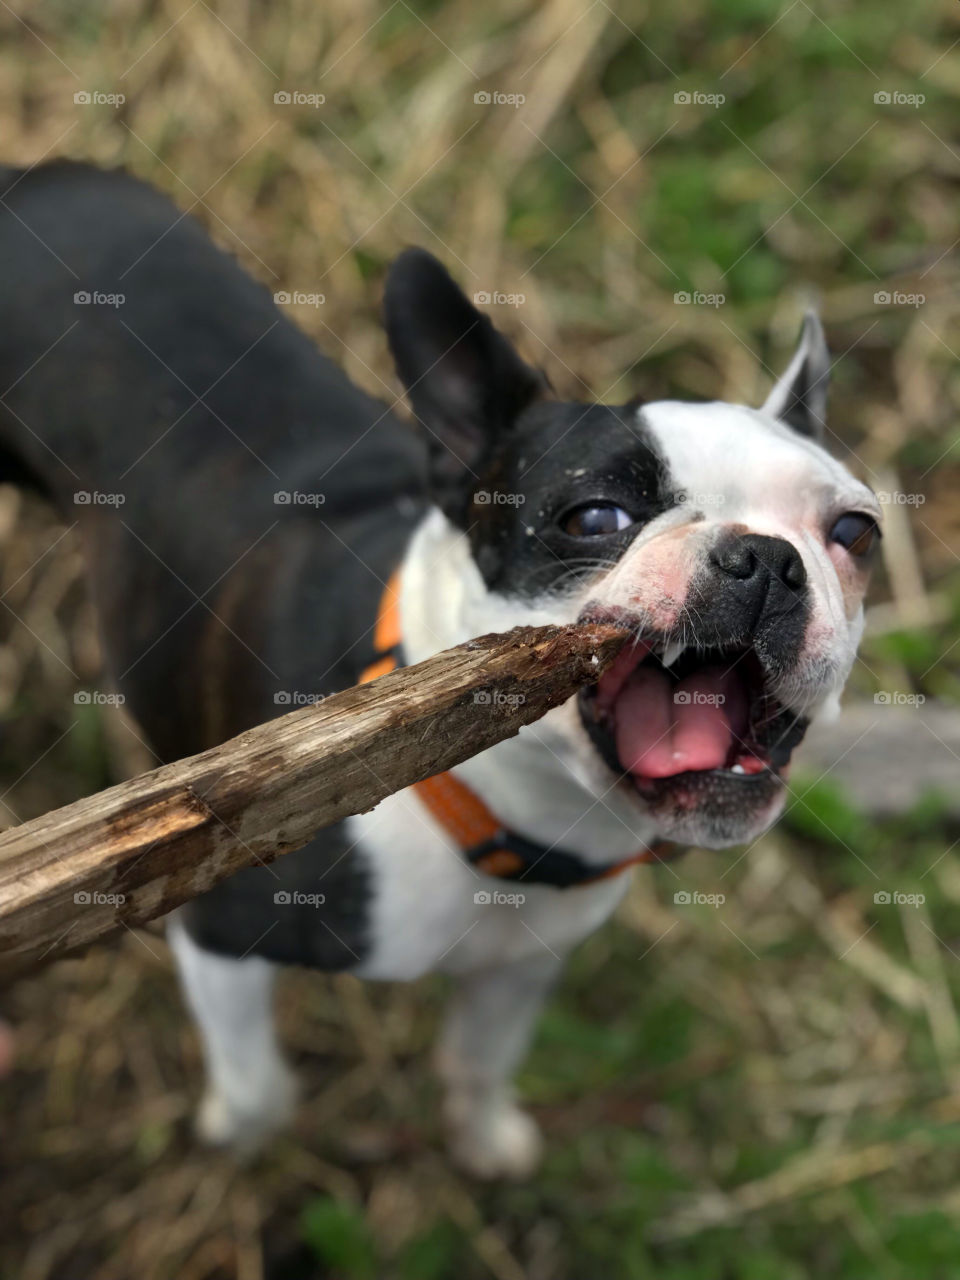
169,415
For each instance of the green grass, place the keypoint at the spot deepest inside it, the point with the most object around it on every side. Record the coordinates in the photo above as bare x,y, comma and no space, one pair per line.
692,1083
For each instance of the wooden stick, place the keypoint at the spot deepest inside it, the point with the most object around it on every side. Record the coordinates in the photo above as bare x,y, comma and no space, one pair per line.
137,850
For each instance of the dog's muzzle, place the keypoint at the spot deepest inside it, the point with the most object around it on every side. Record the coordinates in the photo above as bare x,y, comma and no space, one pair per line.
691,719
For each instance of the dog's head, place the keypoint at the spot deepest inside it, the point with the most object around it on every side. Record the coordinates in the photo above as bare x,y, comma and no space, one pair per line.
726,538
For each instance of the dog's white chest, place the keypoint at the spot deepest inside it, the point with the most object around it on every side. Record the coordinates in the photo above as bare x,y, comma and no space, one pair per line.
431,911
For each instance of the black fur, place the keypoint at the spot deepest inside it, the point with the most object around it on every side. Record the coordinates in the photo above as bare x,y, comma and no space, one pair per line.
560,457
506,462
309,907
289,592
466,383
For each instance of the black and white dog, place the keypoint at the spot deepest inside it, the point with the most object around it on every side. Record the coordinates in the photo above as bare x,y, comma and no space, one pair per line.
145,372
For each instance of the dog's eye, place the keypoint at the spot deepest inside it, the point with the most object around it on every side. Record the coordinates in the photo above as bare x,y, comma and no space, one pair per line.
857,532
594,519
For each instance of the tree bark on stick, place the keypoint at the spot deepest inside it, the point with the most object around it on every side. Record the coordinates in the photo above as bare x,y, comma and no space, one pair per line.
137,850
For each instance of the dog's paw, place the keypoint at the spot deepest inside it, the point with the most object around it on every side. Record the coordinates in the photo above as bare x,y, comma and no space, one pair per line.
504,1143
221,1122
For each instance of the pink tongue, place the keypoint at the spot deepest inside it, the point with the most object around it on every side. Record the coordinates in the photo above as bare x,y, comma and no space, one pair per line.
664,728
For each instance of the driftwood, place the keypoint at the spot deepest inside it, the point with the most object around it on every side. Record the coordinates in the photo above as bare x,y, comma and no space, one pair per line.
137,850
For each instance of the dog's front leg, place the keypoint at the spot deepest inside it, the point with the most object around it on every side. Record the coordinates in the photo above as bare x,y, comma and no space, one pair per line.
486,1033
250,1089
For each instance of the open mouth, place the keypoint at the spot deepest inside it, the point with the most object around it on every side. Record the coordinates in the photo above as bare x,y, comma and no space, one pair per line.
687,720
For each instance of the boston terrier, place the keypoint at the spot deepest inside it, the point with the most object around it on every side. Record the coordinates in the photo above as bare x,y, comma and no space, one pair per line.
260,532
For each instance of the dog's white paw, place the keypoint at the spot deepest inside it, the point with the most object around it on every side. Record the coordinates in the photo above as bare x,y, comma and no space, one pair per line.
502,1142
222,1122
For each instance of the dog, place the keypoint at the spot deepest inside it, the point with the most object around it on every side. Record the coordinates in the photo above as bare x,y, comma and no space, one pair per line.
260,532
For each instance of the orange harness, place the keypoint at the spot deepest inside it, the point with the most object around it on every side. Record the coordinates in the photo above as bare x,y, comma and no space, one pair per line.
485,842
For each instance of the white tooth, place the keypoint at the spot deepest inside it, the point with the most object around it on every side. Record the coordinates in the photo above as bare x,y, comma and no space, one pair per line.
672,652
738,768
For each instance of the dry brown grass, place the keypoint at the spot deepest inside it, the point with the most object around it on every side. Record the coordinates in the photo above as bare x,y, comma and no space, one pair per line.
805,1102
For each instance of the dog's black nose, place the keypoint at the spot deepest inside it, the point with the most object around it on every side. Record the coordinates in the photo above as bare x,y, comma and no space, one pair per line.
755,588
757,560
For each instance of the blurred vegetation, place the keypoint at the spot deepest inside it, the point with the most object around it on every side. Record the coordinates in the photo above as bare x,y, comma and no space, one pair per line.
768,1088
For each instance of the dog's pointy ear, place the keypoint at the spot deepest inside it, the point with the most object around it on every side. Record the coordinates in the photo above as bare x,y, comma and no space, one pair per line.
800,397
465,382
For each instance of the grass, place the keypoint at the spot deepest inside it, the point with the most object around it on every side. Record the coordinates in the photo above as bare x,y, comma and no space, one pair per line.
764,1088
